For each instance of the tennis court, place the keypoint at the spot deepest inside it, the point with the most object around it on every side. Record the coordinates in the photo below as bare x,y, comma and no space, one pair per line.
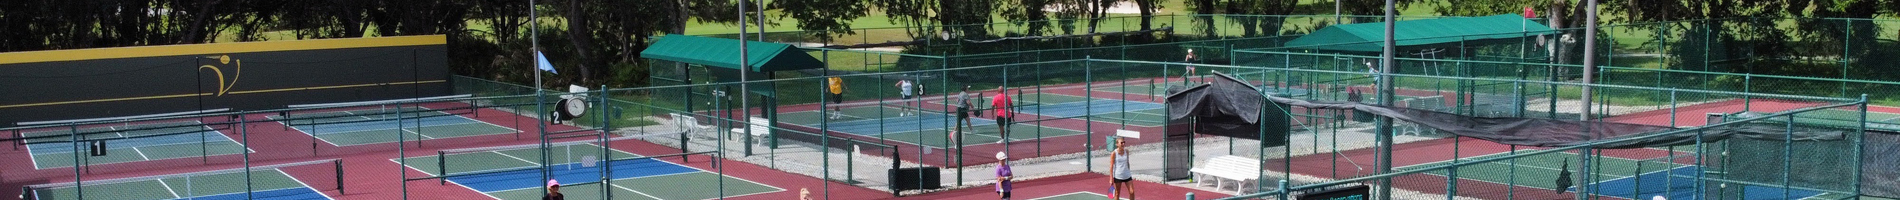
514,173
373,126
1841,118
1673,177
1157,90
266,183
150,141
1056,106
926,128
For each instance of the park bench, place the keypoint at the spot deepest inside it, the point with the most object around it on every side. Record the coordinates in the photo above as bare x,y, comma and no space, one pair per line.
1228,169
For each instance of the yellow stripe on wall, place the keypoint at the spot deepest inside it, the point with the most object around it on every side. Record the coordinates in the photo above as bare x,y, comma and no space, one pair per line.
216,48
210,94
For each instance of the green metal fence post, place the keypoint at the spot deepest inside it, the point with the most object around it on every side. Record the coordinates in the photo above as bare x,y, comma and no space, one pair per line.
1859,146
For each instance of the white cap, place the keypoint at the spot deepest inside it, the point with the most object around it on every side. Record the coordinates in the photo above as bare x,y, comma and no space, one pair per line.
1658,197
1002,156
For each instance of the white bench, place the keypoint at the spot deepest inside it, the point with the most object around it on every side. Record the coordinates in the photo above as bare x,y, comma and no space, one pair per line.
1430,103
1228,168
686,123
759,127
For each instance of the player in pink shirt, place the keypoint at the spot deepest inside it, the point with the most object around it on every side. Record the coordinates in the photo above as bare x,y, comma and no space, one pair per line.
1001,103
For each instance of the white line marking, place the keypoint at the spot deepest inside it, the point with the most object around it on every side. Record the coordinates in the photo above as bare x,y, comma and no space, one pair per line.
418,134
634,191
168,188
1072,193
141,154
305,185
517,158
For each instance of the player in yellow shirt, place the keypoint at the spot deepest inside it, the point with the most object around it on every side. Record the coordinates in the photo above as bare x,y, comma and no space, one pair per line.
837,95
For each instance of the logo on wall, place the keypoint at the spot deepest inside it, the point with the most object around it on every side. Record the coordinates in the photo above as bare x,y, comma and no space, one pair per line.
237,69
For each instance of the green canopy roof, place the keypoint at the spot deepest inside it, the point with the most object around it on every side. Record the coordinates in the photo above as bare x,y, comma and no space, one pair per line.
724,53
1366,37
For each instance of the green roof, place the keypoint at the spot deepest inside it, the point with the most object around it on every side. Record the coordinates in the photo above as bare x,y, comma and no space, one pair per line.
1366,37
724,53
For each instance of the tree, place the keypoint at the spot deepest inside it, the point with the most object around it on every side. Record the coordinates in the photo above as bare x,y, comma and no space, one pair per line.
910,13
822,19
1028,13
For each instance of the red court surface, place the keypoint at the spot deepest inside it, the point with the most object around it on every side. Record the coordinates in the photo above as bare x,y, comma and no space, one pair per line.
369,173
1065,184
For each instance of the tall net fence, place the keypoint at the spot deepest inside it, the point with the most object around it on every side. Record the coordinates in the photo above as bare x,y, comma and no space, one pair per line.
1821,57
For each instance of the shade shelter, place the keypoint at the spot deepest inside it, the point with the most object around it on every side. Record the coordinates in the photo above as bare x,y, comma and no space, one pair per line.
698,60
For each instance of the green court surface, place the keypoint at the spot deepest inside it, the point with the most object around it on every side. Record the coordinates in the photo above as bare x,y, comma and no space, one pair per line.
1843,118
217,186
1540,171
1146,118
495,173
157,141
1133,89
927,128
1075,196
360,127
481,161
979,135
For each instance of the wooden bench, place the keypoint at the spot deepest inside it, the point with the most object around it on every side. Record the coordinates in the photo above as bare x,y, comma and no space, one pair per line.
1240,171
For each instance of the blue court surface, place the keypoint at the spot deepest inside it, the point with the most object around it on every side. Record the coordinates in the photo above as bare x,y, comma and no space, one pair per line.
516,174
568,173
1680,183
180,140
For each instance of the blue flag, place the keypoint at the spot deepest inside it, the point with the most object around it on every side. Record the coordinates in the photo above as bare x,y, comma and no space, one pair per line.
541,62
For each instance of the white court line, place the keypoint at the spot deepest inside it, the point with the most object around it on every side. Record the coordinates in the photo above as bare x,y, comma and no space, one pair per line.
470,189
279,172
141,153
168,188
36,162
135,149
305,185
634,191
1066,195
418,134
518,158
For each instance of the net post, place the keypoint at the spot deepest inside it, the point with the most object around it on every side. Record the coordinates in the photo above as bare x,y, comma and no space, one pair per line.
441,167
204,154
339,175
287,119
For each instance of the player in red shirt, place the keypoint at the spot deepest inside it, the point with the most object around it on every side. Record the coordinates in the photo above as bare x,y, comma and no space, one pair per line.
1001,103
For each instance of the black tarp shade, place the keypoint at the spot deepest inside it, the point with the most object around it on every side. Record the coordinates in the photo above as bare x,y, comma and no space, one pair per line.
1225,106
